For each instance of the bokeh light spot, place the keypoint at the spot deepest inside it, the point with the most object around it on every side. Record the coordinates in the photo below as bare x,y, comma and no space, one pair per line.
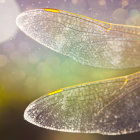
8,12
3,60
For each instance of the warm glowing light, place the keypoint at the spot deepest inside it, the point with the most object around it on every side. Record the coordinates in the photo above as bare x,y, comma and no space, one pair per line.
8,12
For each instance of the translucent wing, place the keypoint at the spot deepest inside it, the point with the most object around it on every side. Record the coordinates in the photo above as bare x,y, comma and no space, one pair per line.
107,107
88,41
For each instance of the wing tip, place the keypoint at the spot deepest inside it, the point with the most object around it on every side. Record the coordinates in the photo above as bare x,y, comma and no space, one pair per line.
27,114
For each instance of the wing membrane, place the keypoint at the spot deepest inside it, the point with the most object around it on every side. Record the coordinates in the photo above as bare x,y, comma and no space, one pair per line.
105,107
86,40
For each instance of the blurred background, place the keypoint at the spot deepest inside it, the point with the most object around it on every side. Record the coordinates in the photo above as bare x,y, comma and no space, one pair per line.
29,70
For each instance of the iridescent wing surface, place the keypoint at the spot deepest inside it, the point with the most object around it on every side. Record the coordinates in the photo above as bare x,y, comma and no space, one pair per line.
107,107
88,41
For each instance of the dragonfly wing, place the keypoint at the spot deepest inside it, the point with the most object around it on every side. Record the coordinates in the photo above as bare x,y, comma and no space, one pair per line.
86,40
107,107
123,116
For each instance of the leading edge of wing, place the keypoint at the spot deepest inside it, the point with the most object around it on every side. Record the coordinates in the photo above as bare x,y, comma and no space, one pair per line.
126,79
82,16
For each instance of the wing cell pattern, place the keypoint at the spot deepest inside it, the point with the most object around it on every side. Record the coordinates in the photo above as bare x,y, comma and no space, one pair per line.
108,107
88,41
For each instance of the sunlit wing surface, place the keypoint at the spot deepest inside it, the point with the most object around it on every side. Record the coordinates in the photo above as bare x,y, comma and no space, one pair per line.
108,107
86,40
